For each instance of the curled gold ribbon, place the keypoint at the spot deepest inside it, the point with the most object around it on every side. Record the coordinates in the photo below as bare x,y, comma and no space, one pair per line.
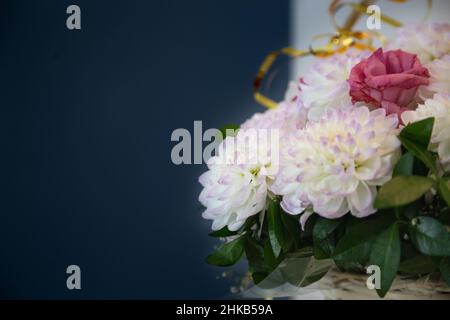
339,42
265,67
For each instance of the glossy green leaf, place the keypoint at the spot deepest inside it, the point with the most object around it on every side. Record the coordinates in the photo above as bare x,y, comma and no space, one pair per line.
297,271
324,248
355,245
420,152
385,254
323,237
444,191
301,253
429,236
277,234
419,132
227,254
402,190
259,277
292,227
254,252
404,166
324,227
222,233
269,258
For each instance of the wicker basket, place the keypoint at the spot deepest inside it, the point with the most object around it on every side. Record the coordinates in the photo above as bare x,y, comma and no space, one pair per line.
337,285
347,286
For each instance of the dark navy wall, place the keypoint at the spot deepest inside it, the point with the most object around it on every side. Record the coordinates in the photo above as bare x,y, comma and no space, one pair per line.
85,125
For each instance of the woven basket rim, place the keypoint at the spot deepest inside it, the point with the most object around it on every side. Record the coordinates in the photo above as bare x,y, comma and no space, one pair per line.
423,286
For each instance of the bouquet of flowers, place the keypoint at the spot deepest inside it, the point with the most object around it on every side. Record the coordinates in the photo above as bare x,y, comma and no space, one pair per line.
351,170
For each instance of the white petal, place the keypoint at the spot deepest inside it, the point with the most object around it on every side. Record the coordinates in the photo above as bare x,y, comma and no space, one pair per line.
361,201
304,217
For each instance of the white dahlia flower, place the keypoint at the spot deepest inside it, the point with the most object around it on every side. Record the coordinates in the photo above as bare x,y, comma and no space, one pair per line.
428,40
325,86
439,70
231,194
287,117
333,166
439,108
236,185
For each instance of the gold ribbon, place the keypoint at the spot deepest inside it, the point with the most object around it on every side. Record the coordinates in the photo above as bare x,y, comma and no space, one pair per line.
265,67
339,42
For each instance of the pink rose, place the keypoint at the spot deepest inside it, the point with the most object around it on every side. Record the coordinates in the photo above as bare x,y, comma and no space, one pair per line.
388,80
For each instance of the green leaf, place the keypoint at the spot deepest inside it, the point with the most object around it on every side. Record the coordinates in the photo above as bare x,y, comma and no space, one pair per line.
420,169
429,236
254,252
444,191
404,166
420,153
222,233
324,227
269,258
303,271
444,267
419,132
418,265
297,271
402,190
324,248
276,228
323,237
302,253
227,254
355,245
355,258
416,137
292,226
258,277
229,130
385,254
